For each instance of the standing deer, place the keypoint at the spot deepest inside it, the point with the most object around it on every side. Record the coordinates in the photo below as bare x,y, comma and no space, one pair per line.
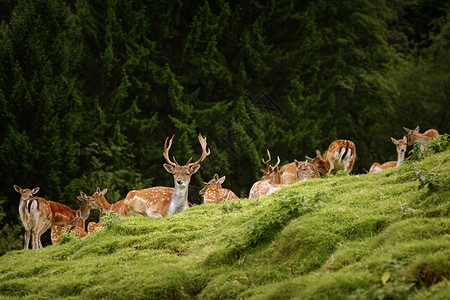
25,195
43,214
423,138
99,197
401,150
158,202
298,171
77,228
214,193
341,155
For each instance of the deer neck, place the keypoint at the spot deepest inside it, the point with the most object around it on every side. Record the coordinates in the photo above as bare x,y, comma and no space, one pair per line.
179,201
23,209
105,205
400,158
85,210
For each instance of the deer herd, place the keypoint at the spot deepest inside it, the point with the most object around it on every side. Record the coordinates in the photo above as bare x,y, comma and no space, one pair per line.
38,214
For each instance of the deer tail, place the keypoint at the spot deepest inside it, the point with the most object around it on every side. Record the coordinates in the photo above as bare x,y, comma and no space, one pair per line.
344,151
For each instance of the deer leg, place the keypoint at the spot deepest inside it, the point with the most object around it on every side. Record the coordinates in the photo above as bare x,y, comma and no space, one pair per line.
37,232
27,238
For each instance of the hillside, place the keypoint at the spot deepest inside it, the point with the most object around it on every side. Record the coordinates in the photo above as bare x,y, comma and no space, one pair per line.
382,236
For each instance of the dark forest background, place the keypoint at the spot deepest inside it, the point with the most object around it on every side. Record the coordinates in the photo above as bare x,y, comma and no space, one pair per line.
89,90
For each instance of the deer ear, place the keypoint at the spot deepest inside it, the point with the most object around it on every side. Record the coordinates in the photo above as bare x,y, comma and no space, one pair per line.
80,198
407,129
417,128
194,169
104,191
216,177
78,213
318,153
18,188
222,179
405,138
169,168
35,190
98,190
393,140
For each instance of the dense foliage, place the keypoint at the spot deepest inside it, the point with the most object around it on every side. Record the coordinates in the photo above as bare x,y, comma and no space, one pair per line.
369,236
89,90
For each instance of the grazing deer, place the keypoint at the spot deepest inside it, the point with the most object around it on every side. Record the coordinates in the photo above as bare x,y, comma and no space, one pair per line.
298,171
270,181
423,138
214,193
158,202
25,195
401,150
77,229
43,214
341,155
99,197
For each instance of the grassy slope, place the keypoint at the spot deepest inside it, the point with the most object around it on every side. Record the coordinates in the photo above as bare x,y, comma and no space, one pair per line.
364,236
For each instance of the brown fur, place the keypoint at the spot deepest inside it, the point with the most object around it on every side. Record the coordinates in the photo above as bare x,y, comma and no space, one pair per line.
423,138
158,202
340,155
213,192
401,150
44,214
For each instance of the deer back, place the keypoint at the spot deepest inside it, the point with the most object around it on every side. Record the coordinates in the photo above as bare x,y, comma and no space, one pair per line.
153,201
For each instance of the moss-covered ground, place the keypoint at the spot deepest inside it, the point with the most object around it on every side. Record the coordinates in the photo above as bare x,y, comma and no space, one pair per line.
379,236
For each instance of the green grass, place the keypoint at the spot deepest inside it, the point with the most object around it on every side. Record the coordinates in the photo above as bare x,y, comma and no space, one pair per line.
379,236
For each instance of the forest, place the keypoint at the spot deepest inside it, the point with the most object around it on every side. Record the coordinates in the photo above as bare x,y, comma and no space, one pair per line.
89,90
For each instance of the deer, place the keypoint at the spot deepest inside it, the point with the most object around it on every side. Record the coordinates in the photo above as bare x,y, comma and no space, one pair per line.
213,192
423,138
306,170
270,181
44,214
341,155
401,151
77,229
99,197
25,195
157,202
298,171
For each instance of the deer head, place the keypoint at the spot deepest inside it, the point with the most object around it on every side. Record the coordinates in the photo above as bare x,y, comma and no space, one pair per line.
269,172
321,164
215,183
26,194
411,137
182,174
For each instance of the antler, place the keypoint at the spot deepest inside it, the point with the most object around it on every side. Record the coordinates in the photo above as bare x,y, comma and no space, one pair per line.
205,153
166,152
267,162
278,162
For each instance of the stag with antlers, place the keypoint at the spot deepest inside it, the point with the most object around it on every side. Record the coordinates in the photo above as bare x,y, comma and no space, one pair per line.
158,202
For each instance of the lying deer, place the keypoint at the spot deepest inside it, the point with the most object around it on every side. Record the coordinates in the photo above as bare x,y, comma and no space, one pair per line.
158,202
401,150
270,181
298,171
77,229
341,155
423,138
213,192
